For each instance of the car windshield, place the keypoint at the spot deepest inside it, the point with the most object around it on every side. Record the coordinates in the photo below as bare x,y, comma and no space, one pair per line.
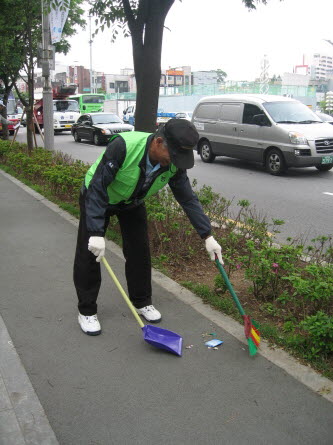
291,113
106,119
66,105
93,99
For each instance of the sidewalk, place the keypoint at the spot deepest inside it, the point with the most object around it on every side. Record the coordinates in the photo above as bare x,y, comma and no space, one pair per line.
58,385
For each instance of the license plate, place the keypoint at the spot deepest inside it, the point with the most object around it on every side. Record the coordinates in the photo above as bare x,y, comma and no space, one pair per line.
327,160
68,126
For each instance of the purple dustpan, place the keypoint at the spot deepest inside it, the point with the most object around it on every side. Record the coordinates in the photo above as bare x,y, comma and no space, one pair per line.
163,339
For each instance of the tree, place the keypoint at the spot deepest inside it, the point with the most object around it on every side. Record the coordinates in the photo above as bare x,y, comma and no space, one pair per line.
144,21
221,75
21,23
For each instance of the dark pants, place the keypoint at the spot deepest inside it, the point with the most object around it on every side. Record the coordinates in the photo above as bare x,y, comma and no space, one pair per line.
87,272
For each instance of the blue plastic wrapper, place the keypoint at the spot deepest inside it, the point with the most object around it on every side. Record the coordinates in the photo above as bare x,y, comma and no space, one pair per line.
214,342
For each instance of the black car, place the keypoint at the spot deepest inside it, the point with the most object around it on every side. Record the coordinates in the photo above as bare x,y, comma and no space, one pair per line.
98,127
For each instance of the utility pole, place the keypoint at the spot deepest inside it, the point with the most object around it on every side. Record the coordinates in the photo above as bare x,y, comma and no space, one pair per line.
264,79
47,89
92,89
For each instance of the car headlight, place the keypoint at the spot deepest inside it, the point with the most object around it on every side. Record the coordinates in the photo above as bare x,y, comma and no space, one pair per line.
297,138
106,131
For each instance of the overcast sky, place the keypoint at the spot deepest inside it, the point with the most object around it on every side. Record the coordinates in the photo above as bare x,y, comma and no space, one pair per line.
211,34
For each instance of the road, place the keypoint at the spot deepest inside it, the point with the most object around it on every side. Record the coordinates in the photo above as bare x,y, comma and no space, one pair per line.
303,198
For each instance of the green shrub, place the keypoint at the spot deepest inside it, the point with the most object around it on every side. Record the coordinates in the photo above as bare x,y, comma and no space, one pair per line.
319,335
312,287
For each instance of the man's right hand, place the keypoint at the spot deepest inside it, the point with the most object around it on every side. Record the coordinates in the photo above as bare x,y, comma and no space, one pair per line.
96,245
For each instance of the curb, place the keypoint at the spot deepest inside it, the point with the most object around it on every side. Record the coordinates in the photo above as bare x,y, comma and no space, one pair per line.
22,417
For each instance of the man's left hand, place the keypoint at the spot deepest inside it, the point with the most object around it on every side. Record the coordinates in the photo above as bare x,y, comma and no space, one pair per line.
213,248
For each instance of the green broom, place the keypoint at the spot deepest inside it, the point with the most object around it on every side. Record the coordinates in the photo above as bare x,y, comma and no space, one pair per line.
250,327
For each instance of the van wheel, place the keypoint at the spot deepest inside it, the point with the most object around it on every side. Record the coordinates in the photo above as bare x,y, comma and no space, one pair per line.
324,168
205,151
76,137
275,163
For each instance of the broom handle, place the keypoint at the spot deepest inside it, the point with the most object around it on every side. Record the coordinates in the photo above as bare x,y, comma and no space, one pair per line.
231,290
123,293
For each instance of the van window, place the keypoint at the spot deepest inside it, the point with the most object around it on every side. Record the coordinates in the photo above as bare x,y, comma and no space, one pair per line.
208,111
230,112
250,111
290,112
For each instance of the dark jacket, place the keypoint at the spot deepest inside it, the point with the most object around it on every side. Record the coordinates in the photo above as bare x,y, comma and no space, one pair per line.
97,201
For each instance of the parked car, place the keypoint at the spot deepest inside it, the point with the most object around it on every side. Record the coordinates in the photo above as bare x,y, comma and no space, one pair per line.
19,116
184,115
276,131
98,127
129,114
325,117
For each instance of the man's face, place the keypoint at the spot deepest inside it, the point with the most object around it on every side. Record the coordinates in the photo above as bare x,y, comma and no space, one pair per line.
160,152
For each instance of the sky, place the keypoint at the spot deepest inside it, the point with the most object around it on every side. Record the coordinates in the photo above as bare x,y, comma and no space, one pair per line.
224,34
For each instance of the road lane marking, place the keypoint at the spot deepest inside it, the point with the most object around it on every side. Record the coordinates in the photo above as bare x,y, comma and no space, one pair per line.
327,193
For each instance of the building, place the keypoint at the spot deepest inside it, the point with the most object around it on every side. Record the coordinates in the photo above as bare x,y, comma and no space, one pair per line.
322,66
117,83
80,76
318,66
204,78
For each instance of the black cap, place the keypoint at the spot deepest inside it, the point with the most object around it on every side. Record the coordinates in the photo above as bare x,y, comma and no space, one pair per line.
181,137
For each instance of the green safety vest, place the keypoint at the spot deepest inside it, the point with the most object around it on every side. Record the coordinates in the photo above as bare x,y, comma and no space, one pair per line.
127,177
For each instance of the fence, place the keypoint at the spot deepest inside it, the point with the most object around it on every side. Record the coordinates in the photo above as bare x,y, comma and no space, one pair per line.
225,88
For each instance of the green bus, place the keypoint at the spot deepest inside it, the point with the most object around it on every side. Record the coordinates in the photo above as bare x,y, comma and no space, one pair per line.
89,102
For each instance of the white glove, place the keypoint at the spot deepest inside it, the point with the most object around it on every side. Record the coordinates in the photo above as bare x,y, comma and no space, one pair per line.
96,245
213,248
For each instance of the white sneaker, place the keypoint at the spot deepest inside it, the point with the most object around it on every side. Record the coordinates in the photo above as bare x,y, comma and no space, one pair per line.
89,324
150,314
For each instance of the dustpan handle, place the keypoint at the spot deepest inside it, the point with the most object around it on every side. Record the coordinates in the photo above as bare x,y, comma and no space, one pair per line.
123,293
229,286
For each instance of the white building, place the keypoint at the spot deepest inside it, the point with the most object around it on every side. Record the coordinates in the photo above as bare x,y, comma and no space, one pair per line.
319,66
117,83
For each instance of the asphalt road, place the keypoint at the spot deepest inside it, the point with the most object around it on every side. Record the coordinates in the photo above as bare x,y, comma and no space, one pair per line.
303,198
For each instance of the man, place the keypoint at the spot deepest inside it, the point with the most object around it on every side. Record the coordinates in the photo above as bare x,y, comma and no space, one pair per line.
2,109
2,119
134,166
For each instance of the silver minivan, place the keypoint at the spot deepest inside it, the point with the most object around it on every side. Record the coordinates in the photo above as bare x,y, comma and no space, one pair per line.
277,131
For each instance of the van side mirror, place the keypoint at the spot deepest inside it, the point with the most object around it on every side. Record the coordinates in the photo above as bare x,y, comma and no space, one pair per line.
124,112
84,107
261,120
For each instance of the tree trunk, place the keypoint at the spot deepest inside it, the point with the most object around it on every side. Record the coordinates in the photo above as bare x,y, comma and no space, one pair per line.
147,48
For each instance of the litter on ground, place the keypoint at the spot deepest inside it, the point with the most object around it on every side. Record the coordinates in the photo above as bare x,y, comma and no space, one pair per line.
213,343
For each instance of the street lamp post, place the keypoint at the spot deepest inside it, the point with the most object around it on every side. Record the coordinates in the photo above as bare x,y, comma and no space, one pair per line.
47,89
92,89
